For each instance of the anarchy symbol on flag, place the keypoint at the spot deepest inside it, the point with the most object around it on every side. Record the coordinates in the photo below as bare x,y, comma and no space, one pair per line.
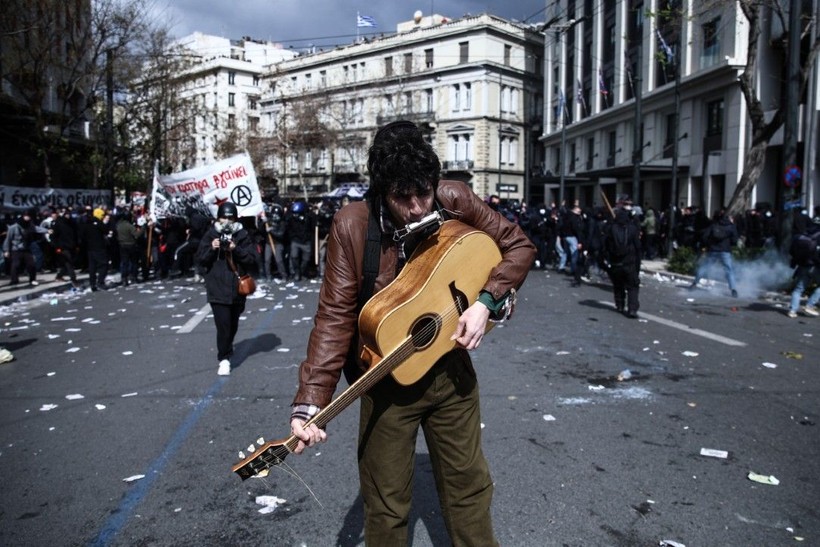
242,195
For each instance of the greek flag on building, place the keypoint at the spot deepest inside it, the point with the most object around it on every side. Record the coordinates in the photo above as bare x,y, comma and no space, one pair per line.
365,21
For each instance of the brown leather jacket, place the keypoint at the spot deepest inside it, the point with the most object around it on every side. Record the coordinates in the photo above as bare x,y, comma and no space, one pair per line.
336,322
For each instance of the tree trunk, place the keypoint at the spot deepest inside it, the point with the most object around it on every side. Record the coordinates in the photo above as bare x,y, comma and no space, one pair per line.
752,167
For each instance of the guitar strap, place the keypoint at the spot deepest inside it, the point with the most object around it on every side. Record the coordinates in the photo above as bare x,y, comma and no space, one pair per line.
370,270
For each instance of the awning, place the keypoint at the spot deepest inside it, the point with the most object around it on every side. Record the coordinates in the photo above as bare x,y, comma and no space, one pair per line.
627,171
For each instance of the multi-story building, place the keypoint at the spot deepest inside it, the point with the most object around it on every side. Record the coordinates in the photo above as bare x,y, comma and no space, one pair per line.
46,74
473,84
599,53
217,92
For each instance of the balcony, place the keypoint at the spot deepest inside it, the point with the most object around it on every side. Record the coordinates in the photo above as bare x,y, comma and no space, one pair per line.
415,117
457,165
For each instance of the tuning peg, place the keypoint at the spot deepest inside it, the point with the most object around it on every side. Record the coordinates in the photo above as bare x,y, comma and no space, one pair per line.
241,455
260,441
251,448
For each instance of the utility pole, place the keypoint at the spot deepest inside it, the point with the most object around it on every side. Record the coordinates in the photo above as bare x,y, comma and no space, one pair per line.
109,123
791,123
637,151
673,207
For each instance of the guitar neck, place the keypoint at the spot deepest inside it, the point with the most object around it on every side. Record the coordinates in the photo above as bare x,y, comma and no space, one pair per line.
369,379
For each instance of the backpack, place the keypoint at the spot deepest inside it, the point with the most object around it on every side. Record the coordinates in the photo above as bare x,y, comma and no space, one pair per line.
718,232
618,243
803,249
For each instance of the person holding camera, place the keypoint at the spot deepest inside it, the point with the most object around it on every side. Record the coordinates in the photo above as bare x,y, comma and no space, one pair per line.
225,252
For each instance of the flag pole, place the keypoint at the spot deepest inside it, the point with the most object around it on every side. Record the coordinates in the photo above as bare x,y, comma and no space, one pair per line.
357,26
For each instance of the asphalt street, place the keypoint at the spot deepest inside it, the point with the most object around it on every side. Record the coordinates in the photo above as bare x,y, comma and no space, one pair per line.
116,430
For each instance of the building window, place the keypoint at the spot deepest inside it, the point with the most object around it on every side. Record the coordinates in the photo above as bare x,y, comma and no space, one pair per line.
509,150
460,147
714,118
613,140
251,103
256,79
231,99
507,54
355,71
321,165
428,58
590,152
407,102
455,92
253,124
231,78
231,121
294,162
408,63
468,97
463,52
388,66
711,43
308,160
308,81
428,100
323,78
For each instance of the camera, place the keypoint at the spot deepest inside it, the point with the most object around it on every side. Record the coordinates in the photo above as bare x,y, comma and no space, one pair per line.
225,241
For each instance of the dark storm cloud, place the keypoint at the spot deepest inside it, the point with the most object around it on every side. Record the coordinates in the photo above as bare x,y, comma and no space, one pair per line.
322,22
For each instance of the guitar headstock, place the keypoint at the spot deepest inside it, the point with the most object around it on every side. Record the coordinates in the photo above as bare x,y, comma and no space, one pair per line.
263,456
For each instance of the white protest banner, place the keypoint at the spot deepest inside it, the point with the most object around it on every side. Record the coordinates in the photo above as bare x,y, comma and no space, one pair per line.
19,198
205,188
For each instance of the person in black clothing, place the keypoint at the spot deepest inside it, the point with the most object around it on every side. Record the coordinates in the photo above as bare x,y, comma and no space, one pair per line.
575,239
197,226
300,232
93,237
225,251
718,238
623,249
64,240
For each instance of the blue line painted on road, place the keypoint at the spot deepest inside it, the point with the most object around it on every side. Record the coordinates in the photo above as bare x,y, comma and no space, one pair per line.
116,522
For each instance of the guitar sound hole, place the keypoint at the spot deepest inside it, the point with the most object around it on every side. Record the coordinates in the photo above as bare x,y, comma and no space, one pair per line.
424,331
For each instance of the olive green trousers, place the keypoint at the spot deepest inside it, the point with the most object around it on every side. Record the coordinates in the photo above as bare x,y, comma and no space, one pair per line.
445,403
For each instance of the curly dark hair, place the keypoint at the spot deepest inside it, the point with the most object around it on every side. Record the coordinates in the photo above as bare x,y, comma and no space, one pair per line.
401,161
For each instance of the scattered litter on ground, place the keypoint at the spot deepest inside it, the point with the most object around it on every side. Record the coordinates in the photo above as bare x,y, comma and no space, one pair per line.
670,543
99,407
133,478
283,350
599,387
268,503
74,397
128,352
624,375
549,418
793,355
72,350
690,353
769,365
763,479
46,408
562,353
713,453
5,355
134,394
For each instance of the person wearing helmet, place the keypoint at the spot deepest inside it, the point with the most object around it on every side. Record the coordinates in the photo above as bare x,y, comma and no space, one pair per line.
224,247
300,231
274,225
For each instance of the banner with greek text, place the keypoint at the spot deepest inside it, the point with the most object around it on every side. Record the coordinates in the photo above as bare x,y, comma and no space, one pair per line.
19,198
205,188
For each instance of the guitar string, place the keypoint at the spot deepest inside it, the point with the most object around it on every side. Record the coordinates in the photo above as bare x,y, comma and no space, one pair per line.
288,470
403,352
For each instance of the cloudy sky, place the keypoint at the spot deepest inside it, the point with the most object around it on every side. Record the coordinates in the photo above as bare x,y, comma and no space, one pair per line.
301,23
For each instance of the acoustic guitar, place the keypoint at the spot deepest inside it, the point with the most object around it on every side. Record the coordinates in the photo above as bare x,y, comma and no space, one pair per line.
406,327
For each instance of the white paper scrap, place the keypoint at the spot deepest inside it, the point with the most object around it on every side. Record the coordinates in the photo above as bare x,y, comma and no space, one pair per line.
268,503
549,418
714,453
72,350
134,394
769,365
46,408
133,478
99,407
691,353
128,353
74,397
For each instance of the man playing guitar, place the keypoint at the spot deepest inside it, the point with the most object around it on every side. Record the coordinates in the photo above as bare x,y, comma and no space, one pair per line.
404,191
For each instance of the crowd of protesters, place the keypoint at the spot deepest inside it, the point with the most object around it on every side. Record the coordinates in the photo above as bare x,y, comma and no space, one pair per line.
289,238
